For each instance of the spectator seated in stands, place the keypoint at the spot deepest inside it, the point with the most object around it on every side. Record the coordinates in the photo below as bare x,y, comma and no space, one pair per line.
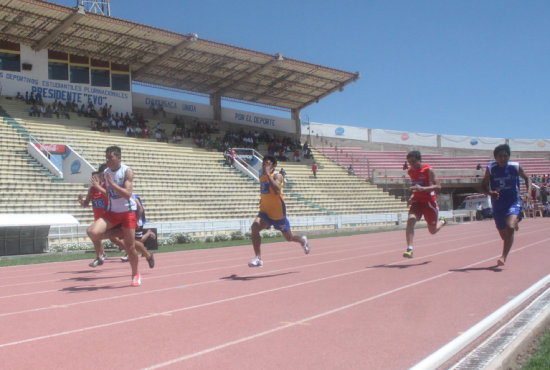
105,126
177,136
65,112
350,170
45,112
93,126
138,131
297,155
130,132
82,111
19,96
146,132
34,111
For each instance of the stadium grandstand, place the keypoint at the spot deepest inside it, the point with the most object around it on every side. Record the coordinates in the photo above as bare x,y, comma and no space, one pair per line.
66,78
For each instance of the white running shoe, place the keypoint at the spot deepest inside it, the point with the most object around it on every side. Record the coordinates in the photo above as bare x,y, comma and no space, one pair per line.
136,279
306,245
256,262
124,258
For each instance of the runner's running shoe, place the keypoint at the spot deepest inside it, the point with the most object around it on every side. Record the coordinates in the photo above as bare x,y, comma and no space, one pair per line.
443,219
96,262
124,258
408,254
306,245
256,262
151,261
136,280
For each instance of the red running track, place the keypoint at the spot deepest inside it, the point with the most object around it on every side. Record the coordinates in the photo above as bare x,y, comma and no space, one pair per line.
353,303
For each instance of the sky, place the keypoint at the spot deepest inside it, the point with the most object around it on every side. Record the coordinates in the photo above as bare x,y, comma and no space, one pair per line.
457,67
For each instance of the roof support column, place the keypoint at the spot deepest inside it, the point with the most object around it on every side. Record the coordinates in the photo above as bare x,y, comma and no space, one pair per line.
295,115
216,103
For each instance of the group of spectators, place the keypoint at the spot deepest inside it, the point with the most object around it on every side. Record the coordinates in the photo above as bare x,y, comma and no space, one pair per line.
540,195
39,109
204,135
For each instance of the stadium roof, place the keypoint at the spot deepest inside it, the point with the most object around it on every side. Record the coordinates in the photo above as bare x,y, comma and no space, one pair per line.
168,59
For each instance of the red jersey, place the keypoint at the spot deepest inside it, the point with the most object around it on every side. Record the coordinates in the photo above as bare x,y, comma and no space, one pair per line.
422,178
99,201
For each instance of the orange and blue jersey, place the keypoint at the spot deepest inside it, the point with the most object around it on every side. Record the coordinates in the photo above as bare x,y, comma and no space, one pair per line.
272,204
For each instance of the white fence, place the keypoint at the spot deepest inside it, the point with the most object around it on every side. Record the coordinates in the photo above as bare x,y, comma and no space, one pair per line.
75,234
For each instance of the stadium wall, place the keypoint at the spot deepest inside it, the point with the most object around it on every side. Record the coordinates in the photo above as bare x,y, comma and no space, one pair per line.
36,80
452,145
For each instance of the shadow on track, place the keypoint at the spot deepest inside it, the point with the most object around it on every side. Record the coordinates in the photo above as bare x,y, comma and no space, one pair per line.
76,289
247,278
401,266
495,268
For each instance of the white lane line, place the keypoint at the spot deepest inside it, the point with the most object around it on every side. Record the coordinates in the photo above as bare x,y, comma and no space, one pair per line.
230,299
187,265
310,318
331,252
220,280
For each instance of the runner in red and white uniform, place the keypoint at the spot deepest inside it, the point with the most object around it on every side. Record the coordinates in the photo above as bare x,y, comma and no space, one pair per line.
423,202
121,208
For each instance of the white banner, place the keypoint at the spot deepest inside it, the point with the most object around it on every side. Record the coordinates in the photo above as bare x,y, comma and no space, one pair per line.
337,131
403,138
173,106
470,142
257,120
531,145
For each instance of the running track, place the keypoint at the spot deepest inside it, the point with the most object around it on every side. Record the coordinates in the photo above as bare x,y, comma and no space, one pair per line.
353,303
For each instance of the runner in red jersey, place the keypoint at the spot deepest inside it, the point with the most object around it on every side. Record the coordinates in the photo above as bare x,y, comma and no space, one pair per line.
423,202
97,195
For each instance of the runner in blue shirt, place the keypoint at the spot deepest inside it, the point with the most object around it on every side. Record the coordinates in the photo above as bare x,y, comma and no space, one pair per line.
501,182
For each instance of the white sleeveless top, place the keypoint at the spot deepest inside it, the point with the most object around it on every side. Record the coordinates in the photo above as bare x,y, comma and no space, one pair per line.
117,203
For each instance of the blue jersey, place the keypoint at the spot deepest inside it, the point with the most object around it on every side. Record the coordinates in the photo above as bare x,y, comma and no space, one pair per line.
142,219
505,180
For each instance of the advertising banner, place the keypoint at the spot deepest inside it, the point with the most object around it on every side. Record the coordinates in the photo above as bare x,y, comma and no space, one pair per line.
470,142
257,120
316,129
403,138
174,106
530,145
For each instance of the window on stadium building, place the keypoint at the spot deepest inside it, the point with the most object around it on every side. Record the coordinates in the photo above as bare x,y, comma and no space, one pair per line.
58,65
100,77
120,77
10,62
100,73
58,71
120,82
79,69
10,56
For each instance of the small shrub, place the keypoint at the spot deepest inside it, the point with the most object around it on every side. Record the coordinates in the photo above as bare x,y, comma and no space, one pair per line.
237,235
221,237
270,233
